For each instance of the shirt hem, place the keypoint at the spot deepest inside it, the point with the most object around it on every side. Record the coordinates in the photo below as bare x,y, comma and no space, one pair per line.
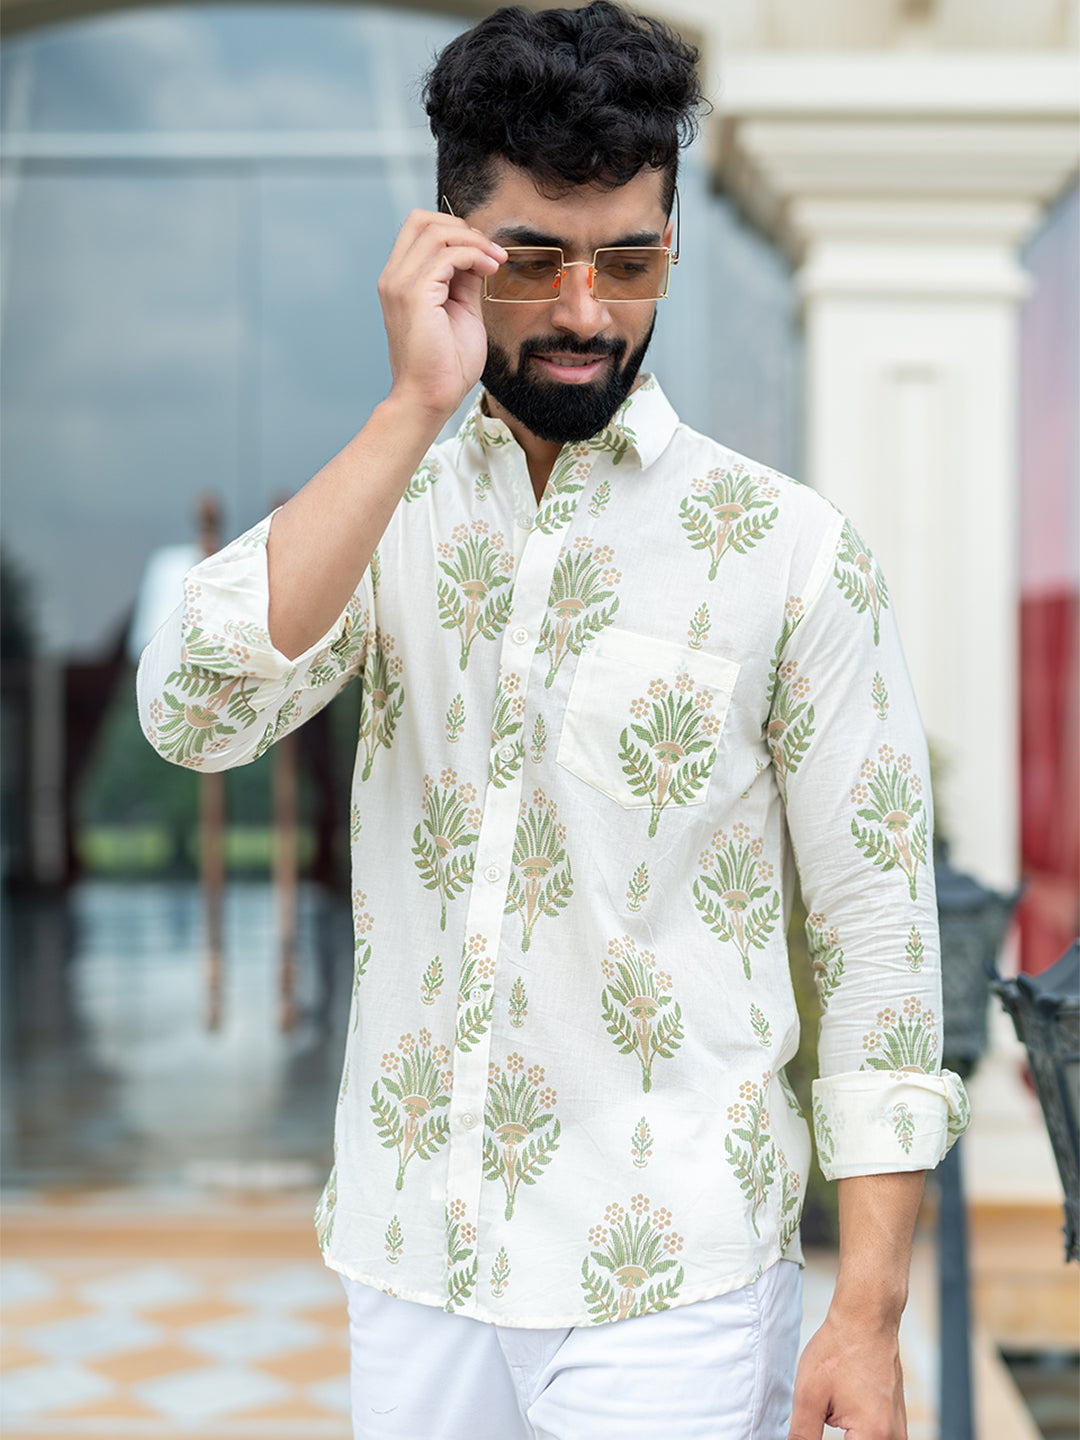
565,1321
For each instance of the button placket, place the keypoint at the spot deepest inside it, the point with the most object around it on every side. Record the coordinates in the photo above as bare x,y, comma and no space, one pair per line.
492,869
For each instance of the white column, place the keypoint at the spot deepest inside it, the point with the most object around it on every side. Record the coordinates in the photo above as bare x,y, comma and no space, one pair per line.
902,186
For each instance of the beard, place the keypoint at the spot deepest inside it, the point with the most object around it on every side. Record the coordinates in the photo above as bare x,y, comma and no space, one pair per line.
563,413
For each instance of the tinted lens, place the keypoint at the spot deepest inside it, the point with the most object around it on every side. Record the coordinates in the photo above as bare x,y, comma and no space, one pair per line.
626,274
527,275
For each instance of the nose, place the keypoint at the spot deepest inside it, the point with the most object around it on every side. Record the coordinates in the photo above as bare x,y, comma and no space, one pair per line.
575,309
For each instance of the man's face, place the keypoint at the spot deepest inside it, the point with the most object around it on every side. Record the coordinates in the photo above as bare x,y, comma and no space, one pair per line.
562,367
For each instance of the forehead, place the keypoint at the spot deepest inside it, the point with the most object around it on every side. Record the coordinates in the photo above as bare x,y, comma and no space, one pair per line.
586,216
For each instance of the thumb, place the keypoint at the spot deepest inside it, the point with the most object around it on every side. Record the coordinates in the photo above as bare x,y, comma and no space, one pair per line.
807,1415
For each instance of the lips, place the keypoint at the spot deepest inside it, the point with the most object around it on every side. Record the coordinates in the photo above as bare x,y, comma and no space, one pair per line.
570,369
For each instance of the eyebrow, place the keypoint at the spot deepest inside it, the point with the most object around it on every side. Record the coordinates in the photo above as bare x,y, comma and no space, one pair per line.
523,235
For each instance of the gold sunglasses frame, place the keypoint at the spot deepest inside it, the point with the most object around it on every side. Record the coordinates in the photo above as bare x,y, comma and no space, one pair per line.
673,259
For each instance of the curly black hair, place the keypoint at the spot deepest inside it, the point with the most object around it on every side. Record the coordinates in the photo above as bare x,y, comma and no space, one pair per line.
589,96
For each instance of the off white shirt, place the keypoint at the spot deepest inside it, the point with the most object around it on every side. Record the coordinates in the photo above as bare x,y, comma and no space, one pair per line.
597,736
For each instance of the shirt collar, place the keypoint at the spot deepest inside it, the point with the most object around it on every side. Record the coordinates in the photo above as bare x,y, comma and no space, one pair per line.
644,423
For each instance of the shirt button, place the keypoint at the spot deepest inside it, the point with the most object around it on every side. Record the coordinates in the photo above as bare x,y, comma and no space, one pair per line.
476,994
507,752
468,1119
524,522
520,636
493,873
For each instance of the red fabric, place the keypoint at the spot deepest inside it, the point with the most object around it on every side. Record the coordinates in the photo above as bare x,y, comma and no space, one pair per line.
1049,913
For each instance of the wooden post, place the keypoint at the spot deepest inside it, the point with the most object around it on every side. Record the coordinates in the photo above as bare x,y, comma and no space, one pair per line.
212,821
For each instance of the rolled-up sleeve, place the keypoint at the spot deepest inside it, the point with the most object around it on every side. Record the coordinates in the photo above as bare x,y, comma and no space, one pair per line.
213,692
859,813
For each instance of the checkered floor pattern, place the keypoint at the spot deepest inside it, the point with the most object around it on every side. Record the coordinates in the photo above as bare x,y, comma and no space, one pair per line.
145,1348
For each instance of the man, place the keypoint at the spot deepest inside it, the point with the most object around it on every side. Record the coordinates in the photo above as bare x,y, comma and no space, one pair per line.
616,679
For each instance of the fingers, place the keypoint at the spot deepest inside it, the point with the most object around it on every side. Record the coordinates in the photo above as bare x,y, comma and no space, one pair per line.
433,245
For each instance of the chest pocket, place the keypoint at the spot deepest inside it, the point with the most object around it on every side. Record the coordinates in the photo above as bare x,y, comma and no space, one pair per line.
644,719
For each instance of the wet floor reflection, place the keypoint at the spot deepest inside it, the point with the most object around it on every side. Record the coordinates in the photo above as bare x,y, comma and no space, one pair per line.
110,1075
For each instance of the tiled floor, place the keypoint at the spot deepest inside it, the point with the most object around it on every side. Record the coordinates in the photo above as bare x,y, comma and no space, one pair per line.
191,1340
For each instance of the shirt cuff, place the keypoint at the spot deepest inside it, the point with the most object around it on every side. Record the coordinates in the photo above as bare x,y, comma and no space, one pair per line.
873,1123
225,626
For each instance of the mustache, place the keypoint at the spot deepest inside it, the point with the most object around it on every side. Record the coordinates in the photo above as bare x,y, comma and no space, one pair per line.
570,345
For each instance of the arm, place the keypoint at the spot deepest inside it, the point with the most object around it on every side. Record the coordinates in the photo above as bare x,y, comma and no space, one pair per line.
858,807
430,293
849,1374
276,623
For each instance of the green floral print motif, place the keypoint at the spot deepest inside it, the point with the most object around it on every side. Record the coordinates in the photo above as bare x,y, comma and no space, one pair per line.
790,1209
676,752
363,925
728,510
376,573
287,716
733,881
325,1212
541,881
394,1241
538,746
914,951
483,485
462,1261
474,598
790,726
699,628
455,720
518,1004
760,1026
826,956
475,995
754,1158
616,440
189,727
565,483
887,797
422,480
961,1119
859,577
416,1085
478,429
638,891
903,1125
641,1144
601,496
500,1274
337,658
635,1004
383,699
630,1251
431,982
826,1144
907,1041
444,843
521,1133
879,697
506,724
794,614
583,582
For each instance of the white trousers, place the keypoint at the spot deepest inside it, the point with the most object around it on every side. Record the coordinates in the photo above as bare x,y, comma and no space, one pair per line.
719,1369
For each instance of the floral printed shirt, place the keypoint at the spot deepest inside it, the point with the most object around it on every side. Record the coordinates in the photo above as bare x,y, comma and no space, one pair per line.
596,736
